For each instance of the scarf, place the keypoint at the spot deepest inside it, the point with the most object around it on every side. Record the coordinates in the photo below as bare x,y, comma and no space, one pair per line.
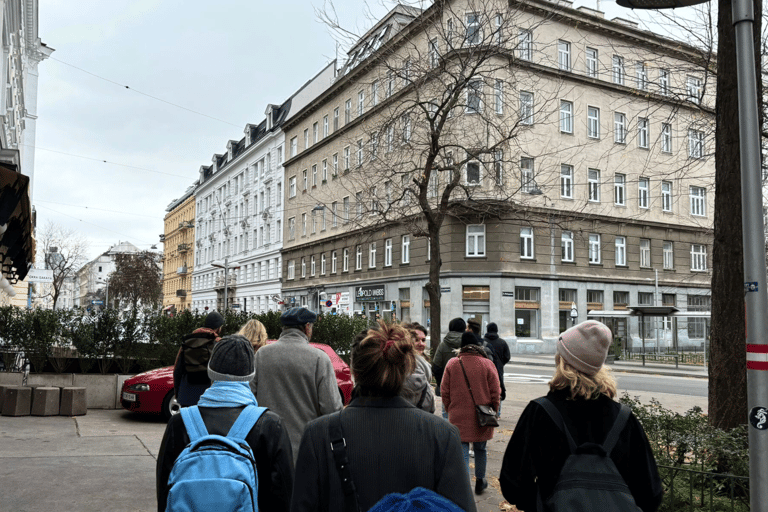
227,394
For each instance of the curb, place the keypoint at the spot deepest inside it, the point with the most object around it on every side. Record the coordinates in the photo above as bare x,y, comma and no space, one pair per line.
619,368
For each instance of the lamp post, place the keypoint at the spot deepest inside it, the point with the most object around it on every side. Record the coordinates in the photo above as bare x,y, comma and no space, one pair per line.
753,236
225,265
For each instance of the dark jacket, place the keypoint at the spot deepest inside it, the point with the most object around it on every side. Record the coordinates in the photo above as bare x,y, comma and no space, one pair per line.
268,441
537,450
501,349
423,451
187,387
445,352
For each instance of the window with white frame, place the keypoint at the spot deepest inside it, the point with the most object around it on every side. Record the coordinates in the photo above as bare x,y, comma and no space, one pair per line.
593,122
405,251
333,262
345,260
474,32
406,124
388,192
292,186
566,181
593,184
526,108
322,219
359,152
566,116
374,201
335,119
564,55
388,252
292,228
666,137
389,87
666,196
695,143
498,96
305,179
620,244
618,70
372,255
474,96
698,197
497,21
498,167
643,189
315,133
303,268
698,257
594,248
641,76
360,102
322,264
526,243
345,210
693,89
291,269
434,53
325,126
359,205
314,221
294,146
645,252
324,174
303,224
527,183
312,266
472,170
475,240
346,158
566,246
334,214
664,81
314,175
347,111
390,137
592,62
374,150
359,258
668,251
525,45
619,189
642,132
306,141
375,93
619,128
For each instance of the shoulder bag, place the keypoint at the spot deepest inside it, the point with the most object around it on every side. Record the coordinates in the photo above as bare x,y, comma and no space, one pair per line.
486,416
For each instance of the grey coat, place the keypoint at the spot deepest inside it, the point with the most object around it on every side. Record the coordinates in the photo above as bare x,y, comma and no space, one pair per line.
417,388
297,381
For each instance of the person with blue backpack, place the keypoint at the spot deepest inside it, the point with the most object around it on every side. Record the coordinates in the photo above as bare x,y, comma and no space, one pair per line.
577,449
226,453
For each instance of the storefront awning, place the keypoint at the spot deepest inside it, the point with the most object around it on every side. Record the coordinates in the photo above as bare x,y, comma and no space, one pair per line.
17,245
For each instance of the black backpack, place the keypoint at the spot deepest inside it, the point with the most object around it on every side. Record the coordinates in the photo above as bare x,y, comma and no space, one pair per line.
589,479
196,350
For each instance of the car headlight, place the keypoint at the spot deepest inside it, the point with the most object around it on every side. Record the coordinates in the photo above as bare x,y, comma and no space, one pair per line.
139,387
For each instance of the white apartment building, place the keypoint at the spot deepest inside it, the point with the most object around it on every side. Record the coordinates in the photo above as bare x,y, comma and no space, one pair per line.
91,281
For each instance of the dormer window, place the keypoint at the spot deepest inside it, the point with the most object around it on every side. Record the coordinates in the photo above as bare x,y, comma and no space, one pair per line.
269,114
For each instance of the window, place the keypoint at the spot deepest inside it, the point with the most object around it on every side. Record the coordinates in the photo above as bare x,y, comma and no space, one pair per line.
312,266
566,181
475,240
305,179
594,248
695,143
474,96
434,53
324,175
526,108
315,133
360,103
359,258
314,175
335,119
642,132
303,268
664,82
306,139
372,255
592,62
668,250
359,152
527,182
294,146
474,33
325,126
693,89
593,183
566,245
374,146
641,76
314,221
666,137
642,192
346,158
375,93
497,21
333,262
291,269
345,211
406,122
566,116
334,216
593,122
406,72
345,260
666,196
618,70
322,219
388,252
405,251
347,111
698,257
303,224
498,167
390,86
388,193
374,201
619,128
619,195
390,136
621,251
564,55
473,173
292,186
645,252
498,96
526,243
698,201
525,45
322,264
335,164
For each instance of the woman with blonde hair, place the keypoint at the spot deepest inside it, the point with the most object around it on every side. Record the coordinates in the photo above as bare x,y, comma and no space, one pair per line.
255,332
581,399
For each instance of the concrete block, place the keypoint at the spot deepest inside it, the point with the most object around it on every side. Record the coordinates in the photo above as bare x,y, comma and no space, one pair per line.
17,401
101,389
73,402
58,380
11,378
45,401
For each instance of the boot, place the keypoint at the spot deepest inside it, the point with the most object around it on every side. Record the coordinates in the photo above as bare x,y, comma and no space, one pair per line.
480,485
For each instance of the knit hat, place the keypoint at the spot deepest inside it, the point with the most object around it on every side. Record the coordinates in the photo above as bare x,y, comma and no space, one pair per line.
232,360
213,320
492,327
469,338
585,346
295,317
457,325
419,498
474,324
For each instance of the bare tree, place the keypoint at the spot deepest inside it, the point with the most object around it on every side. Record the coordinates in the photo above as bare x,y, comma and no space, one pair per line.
64,251
137,279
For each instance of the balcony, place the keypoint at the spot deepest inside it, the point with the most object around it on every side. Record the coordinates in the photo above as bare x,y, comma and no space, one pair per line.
183,248
181,293
182,271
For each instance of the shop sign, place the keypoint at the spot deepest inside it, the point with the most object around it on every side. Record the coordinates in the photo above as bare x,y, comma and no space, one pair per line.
507,294
445,290
526,305
369,293
405,303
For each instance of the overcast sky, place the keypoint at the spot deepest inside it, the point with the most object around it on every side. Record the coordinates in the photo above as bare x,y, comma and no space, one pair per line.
226,60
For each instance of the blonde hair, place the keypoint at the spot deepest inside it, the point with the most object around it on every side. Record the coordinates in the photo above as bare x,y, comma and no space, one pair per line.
581,384
383,359
255,332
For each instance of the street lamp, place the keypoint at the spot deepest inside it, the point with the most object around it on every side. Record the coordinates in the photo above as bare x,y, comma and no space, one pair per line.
574,313
226,266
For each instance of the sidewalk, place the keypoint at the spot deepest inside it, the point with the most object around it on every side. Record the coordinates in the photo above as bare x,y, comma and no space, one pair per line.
654,368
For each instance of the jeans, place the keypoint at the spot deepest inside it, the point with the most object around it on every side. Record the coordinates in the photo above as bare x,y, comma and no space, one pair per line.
481,457
445,413
498,411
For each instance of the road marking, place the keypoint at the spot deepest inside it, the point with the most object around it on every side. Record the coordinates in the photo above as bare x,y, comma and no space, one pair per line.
526,378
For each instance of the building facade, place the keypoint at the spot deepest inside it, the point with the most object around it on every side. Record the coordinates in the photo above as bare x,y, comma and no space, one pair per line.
92,280
178,252
578,172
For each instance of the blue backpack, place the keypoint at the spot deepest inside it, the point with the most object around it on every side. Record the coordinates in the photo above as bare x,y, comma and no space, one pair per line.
215,472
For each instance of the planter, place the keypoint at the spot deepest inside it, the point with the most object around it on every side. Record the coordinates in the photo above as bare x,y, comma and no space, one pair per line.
102,391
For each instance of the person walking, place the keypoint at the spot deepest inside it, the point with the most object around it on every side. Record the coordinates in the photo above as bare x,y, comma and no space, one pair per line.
190,375
582,390
230,368
295,379
471,379
446,351
500,349
255,332
417,387
422,451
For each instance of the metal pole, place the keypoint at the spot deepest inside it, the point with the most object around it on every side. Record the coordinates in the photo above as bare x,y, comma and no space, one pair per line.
756,295
657,302
226,280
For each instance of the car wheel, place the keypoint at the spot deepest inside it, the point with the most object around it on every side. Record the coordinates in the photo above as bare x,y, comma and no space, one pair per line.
170,406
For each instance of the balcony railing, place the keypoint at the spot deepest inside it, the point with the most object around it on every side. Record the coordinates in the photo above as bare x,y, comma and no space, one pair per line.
183,248
181,293
182,271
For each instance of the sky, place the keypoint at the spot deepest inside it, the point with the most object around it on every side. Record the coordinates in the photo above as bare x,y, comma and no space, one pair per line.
110,159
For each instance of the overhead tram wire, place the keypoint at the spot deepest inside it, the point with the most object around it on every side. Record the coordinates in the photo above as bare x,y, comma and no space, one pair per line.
98,209
141,242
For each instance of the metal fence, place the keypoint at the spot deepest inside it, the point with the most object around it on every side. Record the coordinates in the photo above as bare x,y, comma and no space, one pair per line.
690,489
668,356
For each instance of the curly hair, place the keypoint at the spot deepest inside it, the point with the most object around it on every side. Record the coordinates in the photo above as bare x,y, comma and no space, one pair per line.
383,359
580,384
255,332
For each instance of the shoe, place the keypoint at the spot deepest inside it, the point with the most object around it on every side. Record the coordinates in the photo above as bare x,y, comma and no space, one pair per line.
480,485
472,453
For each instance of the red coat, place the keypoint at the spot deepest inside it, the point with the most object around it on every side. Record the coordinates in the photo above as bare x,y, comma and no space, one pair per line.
484,380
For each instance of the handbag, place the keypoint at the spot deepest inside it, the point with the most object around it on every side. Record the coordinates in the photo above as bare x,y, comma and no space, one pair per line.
486,416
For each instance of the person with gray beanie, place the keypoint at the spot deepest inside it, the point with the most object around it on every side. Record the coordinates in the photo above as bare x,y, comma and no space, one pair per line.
583,392
231,368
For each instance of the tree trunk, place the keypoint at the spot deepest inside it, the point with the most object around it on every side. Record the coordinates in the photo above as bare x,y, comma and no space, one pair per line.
433,288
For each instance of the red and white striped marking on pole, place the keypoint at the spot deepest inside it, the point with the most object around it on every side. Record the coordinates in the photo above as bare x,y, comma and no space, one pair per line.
757,357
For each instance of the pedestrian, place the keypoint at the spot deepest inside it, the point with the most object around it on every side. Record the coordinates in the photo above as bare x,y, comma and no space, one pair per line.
295,379
447,350
420,333
471,379
231,368
500,349
255,332
190,371
390,446
582,390
473,326
417,387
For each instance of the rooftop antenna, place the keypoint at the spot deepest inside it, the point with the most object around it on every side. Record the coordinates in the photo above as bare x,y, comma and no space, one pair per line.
598,4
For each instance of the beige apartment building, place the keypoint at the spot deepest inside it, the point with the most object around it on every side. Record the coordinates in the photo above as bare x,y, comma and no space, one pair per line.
576,157
178,253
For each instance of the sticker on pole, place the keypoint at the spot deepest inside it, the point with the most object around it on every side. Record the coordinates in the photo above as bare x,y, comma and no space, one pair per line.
750,287
758,417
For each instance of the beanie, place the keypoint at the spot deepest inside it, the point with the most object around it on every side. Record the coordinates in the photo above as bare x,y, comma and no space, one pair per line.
457,325
469,338
474,325
213,320
232,360
419,498
585,346
492,327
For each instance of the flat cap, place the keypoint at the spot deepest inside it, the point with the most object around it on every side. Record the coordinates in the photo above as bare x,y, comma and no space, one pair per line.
297,316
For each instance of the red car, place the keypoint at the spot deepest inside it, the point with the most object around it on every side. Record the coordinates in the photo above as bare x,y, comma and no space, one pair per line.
152,391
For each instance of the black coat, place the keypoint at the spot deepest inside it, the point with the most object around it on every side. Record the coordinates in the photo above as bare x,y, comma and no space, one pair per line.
268,440
537,450
501,349
392,447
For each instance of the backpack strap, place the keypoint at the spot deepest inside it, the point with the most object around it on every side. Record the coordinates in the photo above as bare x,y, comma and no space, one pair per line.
618,426
339,450
193,422
548,406
245,422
